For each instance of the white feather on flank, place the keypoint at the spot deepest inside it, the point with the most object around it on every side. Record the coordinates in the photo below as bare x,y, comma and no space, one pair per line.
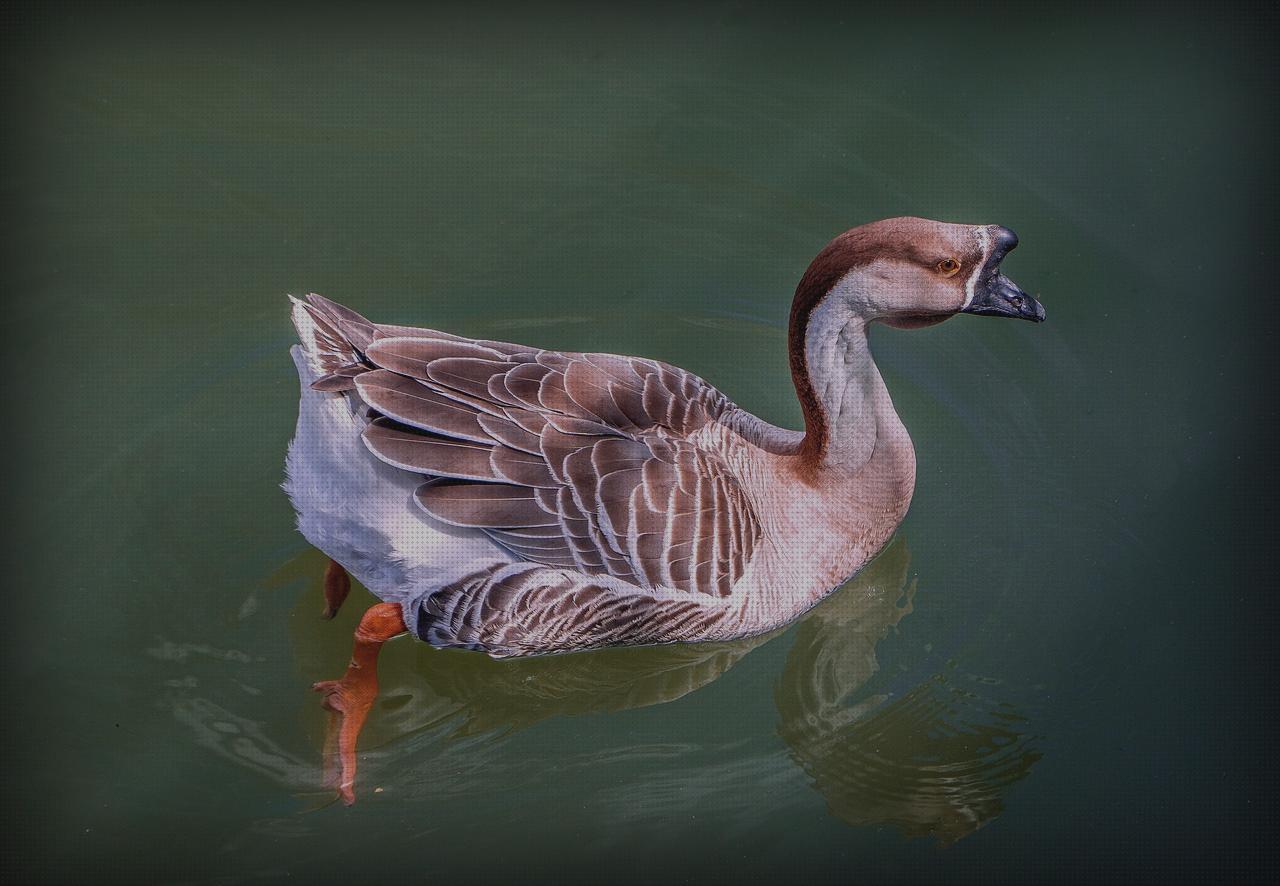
362,512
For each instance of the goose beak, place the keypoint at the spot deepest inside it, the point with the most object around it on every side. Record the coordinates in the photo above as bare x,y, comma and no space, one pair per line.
998,296
994,294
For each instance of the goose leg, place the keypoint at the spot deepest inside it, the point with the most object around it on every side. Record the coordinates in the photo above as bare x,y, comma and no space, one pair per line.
350,698
337,584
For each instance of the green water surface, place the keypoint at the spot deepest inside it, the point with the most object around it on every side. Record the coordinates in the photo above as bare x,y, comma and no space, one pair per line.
1058,670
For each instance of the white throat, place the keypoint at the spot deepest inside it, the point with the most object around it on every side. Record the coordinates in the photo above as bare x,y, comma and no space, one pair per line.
845,378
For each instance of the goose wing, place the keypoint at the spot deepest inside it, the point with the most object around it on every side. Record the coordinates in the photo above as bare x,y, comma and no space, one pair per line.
592,462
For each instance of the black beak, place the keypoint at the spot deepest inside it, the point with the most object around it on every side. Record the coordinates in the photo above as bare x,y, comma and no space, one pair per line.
1001,297
994,294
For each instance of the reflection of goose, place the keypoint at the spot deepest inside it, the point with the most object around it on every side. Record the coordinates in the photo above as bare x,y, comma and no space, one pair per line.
935,761
498,695
522,501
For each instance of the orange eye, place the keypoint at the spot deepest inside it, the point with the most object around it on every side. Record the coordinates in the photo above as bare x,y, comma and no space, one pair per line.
948,266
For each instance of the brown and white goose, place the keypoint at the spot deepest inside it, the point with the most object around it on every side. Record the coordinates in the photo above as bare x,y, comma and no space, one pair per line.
521,501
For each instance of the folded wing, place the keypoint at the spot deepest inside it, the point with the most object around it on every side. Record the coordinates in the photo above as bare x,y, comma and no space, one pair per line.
583,461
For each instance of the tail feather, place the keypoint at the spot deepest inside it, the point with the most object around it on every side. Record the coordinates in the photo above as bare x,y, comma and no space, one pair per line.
334,339
354,327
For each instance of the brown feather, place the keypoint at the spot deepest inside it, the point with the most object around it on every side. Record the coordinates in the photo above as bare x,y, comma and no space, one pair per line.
483,505
335,382
618,454
416,450
354,328
520,386
552,395
533,422
470,375
558,447
414,356
585,427
510,434
521,467
412,403
588,387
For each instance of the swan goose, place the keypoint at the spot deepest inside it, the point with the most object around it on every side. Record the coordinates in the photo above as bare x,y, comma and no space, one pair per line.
520,501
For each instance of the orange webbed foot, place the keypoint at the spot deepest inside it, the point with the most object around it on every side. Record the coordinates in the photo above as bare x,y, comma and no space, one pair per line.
350,699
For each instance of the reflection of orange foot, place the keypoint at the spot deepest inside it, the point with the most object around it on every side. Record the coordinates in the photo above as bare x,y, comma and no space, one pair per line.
350,698
337,584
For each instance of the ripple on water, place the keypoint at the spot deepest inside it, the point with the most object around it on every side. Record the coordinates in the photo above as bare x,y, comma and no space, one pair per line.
935,762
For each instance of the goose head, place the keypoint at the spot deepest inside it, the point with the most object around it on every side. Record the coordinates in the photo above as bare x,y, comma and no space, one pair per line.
903,272
914,272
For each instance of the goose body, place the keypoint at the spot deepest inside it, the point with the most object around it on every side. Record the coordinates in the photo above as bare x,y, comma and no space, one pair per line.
521,501
690,525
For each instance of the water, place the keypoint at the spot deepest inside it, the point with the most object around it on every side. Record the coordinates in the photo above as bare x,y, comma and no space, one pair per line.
1059,668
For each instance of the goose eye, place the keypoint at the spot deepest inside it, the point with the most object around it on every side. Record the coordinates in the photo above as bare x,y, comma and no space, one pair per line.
948,266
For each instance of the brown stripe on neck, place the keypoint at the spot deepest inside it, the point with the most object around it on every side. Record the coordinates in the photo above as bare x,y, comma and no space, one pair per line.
852,249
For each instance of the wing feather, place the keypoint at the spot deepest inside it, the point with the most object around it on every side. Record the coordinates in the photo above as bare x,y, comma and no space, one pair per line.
413,450
575,461
412,403
486,505
508,433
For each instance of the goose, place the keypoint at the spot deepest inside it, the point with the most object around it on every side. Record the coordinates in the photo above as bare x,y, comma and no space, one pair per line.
518,501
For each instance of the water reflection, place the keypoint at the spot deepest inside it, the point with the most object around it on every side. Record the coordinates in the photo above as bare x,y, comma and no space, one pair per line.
932,760
493,695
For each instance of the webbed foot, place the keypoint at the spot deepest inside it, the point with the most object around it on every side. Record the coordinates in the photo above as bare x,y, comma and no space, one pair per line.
350,698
